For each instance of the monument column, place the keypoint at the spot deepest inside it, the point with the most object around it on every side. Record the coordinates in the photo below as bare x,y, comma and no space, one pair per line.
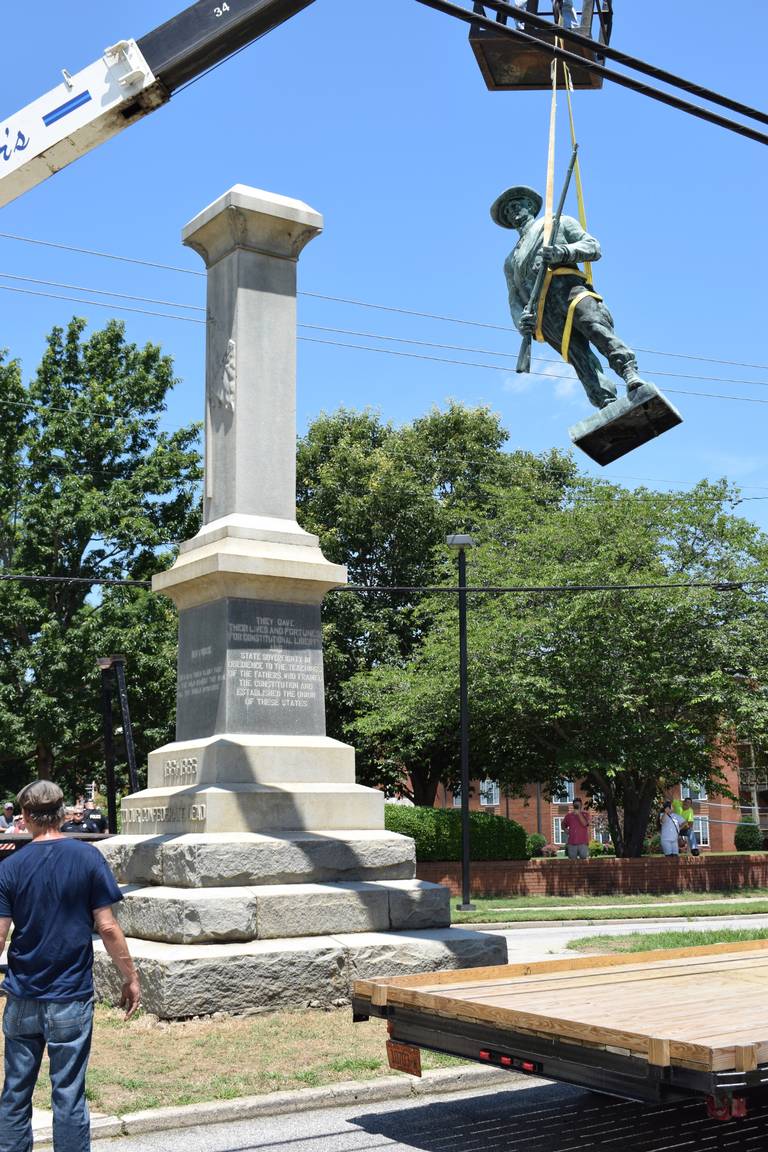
258,873
251,752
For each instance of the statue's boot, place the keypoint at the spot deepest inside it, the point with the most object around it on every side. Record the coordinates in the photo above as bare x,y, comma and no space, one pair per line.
632,379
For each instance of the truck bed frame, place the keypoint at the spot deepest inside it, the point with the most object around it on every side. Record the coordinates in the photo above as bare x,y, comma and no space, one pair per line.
658,1027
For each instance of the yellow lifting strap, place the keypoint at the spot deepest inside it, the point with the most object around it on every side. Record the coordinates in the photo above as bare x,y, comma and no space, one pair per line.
568,328
549,214
549,202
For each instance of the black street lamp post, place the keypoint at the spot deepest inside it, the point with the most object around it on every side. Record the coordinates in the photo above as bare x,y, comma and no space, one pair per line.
461,543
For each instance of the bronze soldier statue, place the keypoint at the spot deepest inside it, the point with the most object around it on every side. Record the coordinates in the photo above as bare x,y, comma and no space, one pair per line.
569,305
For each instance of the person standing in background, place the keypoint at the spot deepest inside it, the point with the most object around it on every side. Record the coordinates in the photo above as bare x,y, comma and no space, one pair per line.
576,825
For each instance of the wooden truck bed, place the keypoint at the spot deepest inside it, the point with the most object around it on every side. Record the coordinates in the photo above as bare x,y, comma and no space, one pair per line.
655,1026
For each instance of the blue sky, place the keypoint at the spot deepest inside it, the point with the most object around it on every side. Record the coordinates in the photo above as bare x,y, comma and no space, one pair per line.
377,116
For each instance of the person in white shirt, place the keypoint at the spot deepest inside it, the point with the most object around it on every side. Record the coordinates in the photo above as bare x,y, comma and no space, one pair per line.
669,824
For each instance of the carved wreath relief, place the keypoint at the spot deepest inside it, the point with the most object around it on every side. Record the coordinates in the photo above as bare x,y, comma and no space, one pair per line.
223,396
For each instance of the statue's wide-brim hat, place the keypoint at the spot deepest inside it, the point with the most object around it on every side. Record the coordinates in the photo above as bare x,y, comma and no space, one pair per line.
499,206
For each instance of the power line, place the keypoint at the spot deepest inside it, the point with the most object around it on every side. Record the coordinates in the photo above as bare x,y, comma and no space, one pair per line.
505,368
103,255
341,331
365,348
26,579
506,328
717,585
513,355
98,304
101,292
653,480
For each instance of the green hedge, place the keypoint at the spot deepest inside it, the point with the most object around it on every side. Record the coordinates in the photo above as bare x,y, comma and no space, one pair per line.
535,844
437,832
748,837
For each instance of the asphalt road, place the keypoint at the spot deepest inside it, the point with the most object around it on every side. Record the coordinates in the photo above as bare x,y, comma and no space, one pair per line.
542,942
546,1118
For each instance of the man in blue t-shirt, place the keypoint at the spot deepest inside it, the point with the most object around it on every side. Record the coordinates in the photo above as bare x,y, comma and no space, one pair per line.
56,893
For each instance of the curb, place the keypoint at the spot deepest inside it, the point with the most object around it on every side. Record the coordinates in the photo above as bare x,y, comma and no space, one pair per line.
513,925
462,1079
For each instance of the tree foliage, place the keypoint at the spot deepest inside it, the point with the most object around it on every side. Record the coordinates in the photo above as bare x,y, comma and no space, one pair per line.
90,489
631,691
382,500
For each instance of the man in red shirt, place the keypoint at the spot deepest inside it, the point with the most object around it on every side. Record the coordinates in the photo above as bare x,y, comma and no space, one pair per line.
576,825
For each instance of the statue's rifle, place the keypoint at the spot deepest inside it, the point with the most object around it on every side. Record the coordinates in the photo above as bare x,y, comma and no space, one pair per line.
524,355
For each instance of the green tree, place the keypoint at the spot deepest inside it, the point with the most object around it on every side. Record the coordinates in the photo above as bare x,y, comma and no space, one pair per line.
90,489
382,500
632,692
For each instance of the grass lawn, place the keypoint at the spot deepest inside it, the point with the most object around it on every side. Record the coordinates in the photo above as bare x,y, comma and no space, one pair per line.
524,908
649,942
146,1063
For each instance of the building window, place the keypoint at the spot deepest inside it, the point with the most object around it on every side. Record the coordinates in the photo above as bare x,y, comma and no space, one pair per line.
457,798
489,793
565,795
701,828
601,830
695,791
753,772
558,836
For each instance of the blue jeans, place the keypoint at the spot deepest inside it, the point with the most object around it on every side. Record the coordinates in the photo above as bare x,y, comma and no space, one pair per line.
28,1025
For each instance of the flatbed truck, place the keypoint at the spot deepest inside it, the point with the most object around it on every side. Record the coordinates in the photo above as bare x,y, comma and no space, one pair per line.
659,1027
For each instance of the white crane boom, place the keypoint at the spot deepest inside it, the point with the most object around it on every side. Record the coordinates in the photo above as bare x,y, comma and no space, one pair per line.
83,111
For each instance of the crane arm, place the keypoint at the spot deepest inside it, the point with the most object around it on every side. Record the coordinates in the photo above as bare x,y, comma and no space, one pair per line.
208,32
130,80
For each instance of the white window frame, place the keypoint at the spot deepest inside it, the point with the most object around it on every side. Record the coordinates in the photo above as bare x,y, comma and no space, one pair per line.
695,791
490,788
456,800
567,795
600,832
701,828
558,832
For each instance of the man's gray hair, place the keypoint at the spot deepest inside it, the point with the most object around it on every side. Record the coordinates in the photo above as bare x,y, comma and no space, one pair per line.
43,802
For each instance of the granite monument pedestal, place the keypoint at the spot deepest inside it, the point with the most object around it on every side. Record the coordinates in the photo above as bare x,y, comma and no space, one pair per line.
257,872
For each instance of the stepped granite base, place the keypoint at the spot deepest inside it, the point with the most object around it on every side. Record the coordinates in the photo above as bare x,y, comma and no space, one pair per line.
182,980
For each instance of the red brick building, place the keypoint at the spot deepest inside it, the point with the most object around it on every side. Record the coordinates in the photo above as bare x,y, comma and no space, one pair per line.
716,816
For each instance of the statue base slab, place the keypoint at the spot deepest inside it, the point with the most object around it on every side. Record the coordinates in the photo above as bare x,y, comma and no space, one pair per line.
183,980
280,911
239,859
624,425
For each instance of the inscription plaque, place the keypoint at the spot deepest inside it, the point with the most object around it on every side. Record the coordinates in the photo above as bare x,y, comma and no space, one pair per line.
249,666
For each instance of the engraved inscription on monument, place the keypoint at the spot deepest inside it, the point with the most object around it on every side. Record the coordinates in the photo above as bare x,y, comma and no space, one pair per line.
250,666
275,666
164,814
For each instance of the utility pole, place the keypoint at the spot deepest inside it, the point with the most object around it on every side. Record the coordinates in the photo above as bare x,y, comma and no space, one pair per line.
113,678
462,543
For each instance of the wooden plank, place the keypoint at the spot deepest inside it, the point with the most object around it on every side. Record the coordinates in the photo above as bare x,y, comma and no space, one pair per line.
571,1030
564,982
596,973
507,971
